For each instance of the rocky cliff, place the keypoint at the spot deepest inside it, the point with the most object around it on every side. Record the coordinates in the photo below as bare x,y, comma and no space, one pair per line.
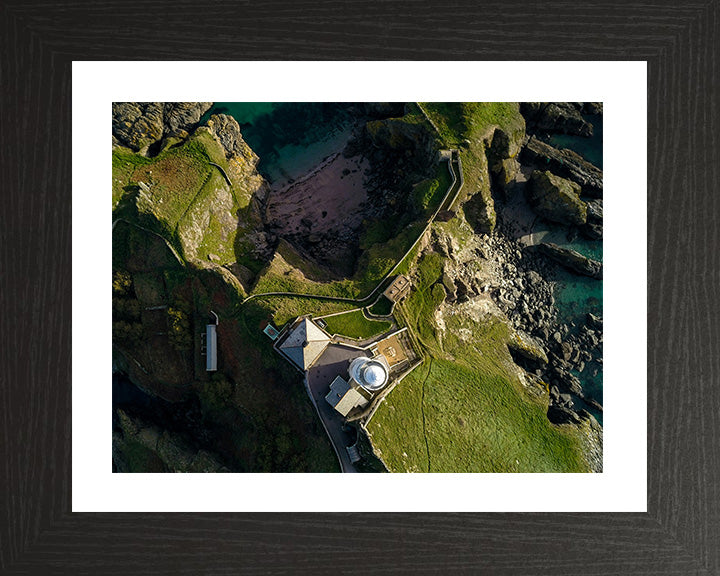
556,199
139,125
557,117
142,447
565,163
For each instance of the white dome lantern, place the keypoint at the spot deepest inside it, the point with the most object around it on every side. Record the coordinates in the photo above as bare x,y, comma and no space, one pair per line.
370,373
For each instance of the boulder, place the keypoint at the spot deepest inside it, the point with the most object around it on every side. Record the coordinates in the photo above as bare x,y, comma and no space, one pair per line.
565,163
556,117
502,154
572,260
138,125
595,211
527,347
534,278
562,415
556,199
595,108
567,350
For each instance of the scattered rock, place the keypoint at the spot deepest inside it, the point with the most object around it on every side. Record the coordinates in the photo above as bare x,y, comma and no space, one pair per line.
527,347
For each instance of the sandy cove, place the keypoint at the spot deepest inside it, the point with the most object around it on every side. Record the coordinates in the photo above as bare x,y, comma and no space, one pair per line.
330,197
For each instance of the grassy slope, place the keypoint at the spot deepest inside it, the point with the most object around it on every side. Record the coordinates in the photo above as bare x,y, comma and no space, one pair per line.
464,409
256,406
465,401
183,186
469,126
355,325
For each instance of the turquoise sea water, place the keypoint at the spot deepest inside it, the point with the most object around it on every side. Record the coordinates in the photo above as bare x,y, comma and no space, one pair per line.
589,148
290,137
576,296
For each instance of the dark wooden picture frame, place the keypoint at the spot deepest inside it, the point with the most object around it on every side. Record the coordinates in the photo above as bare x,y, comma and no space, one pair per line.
680,533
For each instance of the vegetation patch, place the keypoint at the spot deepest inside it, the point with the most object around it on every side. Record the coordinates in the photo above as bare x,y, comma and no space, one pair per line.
465,409
354,324
381,307
450,417
282,309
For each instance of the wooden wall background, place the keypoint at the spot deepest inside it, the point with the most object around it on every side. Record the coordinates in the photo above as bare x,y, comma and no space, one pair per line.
681,532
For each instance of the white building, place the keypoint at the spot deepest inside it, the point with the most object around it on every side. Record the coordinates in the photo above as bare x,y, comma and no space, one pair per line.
304,344
211,345
343,396
370,373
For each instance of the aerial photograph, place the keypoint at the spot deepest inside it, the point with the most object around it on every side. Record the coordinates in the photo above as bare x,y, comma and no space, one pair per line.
357,287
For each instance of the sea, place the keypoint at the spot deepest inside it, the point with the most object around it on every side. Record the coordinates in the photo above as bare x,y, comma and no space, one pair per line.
575,295
291,138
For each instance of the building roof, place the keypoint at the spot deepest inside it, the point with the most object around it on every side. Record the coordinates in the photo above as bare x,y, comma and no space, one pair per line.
305,343
343,397
211,353
370,373
398,288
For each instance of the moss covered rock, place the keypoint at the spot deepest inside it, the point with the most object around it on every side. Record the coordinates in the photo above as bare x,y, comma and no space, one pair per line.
556,199
138,125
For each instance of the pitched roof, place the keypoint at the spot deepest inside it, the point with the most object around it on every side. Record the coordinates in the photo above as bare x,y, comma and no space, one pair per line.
305,343
343,397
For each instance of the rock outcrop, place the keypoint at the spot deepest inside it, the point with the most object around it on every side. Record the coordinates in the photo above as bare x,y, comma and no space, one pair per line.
397,134
503,152
139,125
556,199
556,117
594,227
564,163
528,347
572,260
592,108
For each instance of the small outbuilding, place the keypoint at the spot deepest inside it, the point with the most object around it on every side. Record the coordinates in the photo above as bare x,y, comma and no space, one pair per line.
211,344
398,288
344,397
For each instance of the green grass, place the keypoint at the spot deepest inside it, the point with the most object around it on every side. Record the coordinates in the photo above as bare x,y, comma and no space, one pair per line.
464,409
184,190
287,271
428,194
355,325
218,235
282,309
469,126
448,417
382,307
124,164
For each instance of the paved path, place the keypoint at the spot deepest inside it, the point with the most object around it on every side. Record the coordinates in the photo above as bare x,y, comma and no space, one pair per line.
334,361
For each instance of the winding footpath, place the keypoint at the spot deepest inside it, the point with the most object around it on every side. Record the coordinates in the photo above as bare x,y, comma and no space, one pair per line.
455,168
